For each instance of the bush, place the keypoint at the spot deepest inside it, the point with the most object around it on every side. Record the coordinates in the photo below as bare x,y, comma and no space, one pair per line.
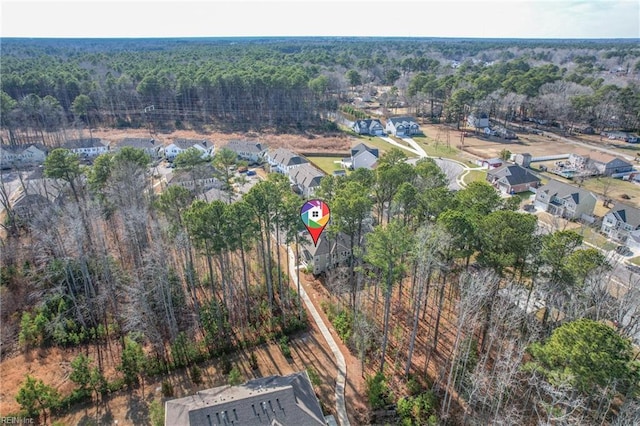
253,361
314,377
284,347
196,375
235,377
418,409
377,391
156,413
167,389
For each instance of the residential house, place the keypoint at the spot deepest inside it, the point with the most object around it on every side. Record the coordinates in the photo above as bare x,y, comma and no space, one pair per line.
369,126
491,163
17,156
600,163
564,200
307,178
479,121
178,145
273,400
362,156
620,222
201,178
284,161
251,151
402,126
328,253
87,147
512,179
148,145
35,195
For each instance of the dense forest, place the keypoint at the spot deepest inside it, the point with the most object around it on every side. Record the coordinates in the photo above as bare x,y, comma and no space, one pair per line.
434,298
288,84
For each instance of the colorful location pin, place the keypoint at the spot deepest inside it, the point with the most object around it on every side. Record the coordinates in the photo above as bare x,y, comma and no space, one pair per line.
315,216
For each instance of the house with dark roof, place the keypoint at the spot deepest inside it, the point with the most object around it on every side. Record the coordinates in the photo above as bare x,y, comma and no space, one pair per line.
564,200
200,178
512,179
362,156
307,178
251,151
274,400
35,195
284,161
179,145
330,252
149,145
88,147
620,222
402,126
370,126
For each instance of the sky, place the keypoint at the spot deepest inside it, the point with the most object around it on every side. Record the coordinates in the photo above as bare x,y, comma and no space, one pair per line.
379,18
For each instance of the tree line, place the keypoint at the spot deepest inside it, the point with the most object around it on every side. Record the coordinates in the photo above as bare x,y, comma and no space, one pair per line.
297,84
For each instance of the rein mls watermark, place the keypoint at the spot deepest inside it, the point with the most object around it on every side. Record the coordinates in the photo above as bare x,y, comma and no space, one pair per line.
17,420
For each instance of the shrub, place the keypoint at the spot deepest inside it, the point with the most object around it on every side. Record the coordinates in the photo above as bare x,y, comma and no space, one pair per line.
196,374
284,347
156,413
418,409
167,389
235,376
253,361
377,391
314,377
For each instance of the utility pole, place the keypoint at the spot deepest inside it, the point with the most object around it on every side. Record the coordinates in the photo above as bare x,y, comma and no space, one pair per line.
147,110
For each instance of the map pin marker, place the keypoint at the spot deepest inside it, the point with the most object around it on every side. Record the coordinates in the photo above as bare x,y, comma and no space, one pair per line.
315,216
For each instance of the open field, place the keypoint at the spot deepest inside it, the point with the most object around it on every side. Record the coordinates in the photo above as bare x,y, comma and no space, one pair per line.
326,164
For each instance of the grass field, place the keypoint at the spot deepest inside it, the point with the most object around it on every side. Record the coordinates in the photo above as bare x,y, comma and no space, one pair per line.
326,164
475,176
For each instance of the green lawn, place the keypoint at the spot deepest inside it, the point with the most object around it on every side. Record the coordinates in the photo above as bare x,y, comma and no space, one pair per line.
593,237
326,164
475,176
440,149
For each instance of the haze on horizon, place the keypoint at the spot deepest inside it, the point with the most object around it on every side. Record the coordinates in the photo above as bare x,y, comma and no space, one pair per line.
575,19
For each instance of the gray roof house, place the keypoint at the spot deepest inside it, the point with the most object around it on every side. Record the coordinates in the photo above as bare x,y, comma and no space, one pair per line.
307,178
283,161
362,156
16,156
274,400
89,147
329,253
248,150
620,222
370,126
201,178
512,179
600,163
148,145
402,126
178,145
564,200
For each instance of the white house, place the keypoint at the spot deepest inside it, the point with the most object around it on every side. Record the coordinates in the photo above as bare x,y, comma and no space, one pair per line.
149,145
251,151
362,156
16,156
402,126
284,161
179,145
478,121
620,222
90,147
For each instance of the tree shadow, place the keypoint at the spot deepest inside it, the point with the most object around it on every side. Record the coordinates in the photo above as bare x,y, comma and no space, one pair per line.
105,418
137,410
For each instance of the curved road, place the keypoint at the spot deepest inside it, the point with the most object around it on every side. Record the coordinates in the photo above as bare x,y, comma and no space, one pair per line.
455,170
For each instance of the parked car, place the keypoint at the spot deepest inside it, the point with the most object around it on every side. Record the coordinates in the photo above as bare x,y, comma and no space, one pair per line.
251,173
624,250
